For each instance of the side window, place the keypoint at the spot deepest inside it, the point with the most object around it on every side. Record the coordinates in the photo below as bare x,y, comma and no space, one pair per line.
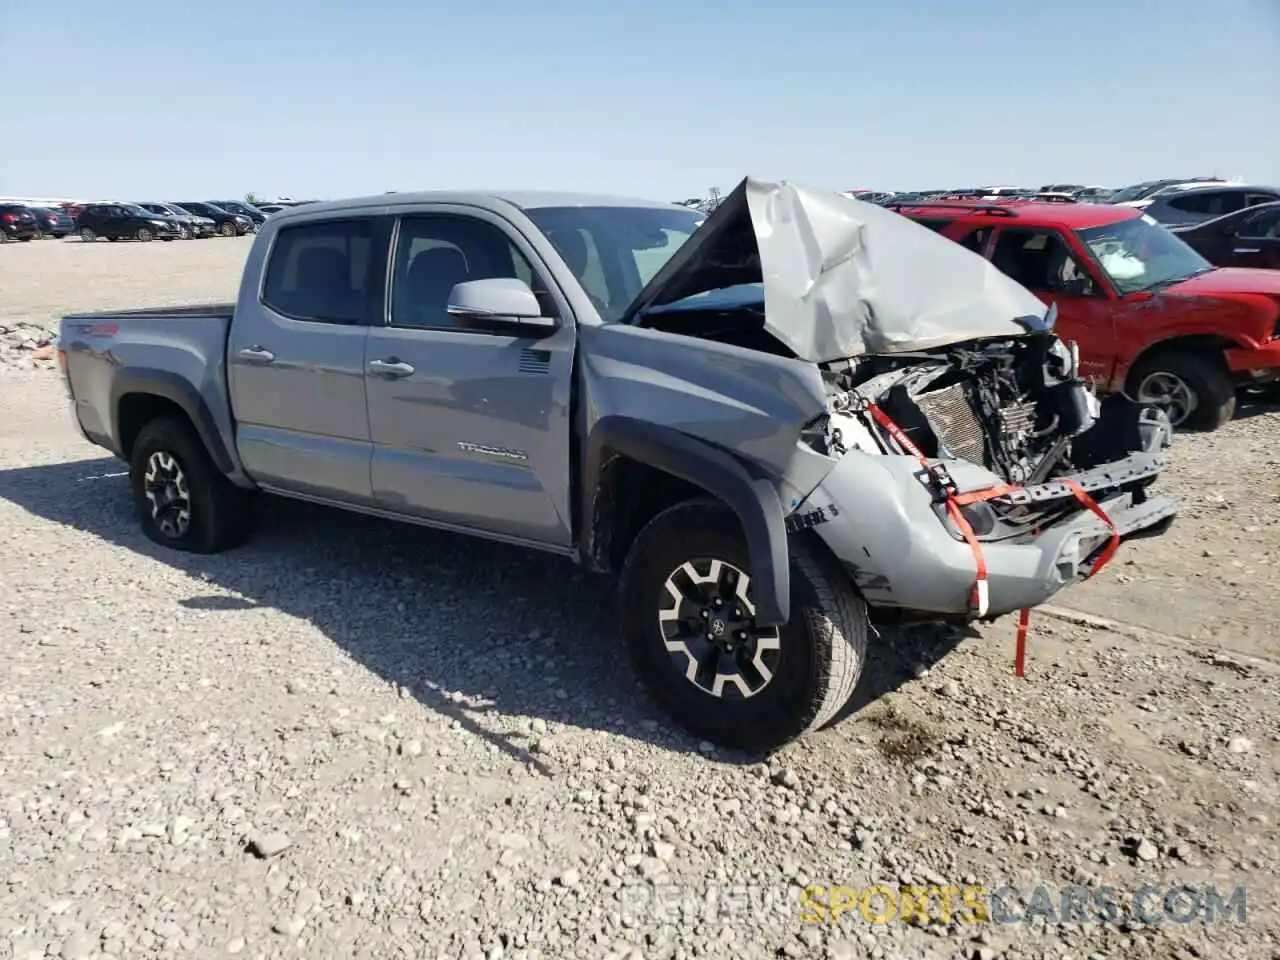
1214,203
934,225
1253,199
1193,203
1264,225
1229,201
322,272
976,240
1042,260
435,253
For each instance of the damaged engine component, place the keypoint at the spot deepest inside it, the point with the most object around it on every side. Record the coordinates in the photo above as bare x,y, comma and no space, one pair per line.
1011,406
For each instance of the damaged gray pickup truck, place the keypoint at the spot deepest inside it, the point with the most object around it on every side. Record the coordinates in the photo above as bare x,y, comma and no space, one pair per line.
777,427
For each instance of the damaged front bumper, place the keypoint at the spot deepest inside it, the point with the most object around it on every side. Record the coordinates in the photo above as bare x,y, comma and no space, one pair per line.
881,519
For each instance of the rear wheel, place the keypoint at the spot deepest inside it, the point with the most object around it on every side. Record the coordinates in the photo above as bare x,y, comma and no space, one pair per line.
183,501
1195,390
689,624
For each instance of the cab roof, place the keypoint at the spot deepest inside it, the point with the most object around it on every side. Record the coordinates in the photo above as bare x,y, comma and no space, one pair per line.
522,199
1072,216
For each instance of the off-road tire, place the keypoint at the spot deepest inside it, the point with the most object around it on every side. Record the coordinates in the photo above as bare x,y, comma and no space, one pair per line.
220,512
1207,377
822,647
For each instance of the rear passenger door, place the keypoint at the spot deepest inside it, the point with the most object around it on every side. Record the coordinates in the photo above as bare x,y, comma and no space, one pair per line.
470,423
295,359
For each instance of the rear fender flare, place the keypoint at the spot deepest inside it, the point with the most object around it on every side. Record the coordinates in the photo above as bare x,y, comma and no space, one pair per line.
753,499
172,387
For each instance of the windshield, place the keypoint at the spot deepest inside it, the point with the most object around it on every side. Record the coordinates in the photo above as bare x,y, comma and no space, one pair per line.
615,251
1135,192
729,298
1139,254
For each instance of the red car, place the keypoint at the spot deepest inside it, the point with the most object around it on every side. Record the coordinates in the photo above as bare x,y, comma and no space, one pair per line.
1153,318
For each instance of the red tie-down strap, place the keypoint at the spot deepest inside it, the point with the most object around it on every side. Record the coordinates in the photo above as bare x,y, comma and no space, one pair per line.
980,595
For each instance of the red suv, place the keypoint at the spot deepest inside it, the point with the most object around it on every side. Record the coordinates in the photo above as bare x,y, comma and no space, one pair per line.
1153,319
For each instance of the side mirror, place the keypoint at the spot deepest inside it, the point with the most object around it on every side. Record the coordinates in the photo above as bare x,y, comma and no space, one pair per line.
498,300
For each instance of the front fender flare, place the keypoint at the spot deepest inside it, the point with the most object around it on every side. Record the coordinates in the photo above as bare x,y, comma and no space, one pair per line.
753,499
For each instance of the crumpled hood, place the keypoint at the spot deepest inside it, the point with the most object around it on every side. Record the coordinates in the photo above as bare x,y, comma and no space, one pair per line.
843,278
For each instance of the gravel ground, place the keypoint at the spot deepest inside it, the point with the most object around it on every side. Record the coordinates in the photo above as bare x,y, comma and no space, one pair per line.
355,739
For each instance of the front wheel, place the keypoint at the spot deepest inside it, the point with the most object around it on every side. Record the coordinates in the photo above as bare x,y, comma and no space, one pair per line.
144,234
228,229
688,622
183,501
1195,390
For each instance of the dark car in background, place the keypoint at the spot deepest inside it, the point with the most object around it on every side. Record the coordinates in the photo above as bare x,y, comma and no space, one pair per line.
1177,207
53,222
258,217
125,221
225,222
192,226
17,222
1146,189
1246,238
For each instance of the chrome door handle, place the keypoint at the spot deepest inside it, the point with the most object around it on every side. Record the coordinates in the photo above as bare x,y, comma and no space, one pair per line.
1247,250
257,353
391,368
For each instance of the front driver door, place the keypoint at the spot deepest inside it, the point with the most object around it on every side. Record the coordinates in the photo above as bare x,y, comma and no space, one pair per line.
1256,242
470,425
1044,262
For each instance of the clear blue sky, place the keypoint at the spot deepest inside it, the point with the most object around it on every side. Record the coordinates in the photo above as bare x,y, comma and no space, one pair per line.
181,99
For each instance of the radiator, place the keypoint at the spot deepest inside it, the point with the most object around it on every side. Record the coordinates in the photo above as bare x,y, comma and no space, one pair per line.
951,415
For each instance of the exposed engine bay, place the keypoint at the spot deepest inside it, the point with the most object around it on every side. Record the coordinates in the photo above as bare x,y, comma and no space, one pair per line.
1010,406
1013,407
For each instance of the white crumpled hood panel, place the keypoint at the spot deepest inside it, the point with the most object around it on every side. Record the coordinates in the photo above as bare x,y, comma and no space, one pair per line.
843,278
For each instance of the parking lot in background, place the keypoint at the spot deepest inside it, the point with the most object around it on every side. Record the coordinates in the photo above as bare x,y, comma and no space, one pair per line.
435,735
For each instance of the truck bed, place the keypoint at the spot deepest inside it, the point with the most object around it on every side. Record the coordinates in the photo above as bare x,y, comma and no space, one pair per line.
192,311
176,352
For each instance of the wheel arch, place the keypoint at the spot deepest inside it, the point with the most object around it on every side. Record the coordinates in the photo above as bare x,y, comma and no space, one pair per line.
633,469
140,395
1195,343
